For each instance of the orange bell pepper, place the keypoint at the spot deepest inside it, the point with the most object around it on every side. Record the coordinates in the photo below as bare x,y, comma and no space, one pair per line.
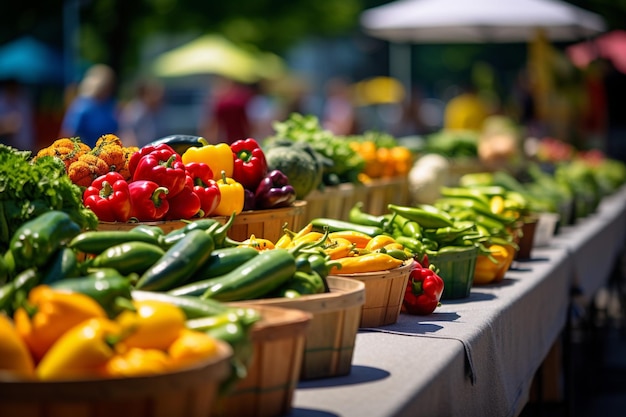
154,324
14,354
191,347
136,362
49,314
82,352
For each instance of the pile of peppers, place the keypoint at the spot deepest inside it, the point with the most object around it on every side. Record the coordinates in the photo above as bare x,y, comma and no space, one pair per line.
211,180
58,334
263,189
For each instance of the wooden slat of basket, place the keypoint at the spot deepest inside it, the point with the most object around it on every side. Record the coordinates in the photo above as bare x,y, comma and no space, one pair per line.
156,395
332,332
267,390
358,193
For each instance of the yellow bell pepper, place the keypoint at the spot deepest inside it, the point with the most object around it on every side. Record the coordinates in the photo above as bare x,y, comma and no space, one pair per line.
191,347
54,312
370,262
14,354
82,352
154,324
487,270
233,196
219,157
136,362
506,264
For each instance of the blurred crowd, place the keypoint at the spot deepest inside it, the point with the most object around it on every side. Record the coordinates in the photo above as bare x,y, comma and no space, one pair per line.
589,112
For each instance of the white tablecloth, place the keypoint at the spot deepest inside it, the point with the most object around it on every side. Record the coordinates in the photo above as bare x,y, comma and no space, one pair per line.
475,356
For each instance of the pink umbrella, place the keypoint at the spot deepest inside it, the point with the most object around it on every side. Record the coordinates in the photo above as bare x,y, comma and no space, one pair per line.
611,45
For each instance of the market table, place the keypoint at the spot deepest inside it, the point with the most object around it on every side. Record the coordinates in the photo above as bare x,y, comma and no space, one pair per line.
595,242
475,356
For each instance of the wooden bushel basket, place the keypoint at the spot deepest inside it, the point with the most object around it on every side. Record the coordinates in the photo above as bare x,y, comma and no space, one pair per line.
278,347
267,224
332,333
189,392
384,293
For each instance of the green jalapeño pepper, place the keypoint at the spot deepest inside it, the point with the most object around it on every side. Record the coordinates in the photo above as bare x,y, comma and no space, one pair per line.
37,240
110,289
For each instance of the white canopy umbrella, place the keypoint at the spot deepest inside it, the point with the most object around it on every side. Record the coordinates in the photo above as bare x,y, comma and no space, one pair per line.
471,21
405,22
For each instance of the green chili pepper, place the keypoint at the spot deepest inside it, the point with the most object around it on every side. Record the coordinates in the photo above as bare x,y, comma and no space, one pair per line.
128,257
110,289
259,276
193,307
15,292
97,241
223,260
303,283
37,240
425,218
358,216
179,262
416,246
177,234
63,265
335,225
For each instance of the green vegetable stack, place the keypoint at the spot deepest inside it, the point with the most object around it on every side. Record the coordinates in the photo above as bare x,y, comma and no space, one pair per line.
343,164
30,187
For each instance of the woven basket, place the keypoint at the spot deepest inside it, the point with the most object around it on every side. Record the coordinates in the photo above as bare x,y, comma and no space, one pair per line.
188,392
262,223
278,347
384,292
384,191
332,333
330,202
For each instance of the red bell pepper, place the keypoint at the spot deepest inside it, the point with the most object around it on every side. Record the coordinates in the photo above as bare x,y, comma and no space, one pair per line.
148,200
145,150
423,291
200,178
250,165
184,205
163,166
109,198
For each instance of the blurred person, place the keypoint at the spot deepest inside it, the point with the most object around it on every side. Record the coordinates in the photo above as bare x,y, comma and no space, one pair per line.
141,118
93,112
465,111
226,117
16,116
339,115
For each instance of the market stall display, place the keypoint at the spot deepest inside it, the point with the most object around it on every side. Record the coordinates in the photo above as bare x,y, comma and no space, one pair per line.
237,262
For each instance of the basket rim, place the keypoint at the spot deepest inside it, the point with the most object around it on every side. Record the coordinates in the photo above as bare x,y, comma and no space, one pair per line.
331,301
216,367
